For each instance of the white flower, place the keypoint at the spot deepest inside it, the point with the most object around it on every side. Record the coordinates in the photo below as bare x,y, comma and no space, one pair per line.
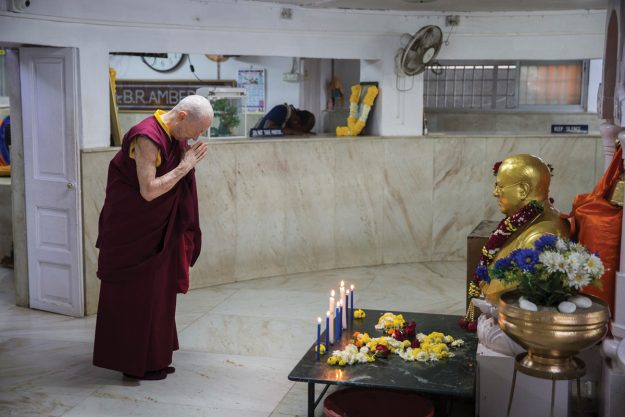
420,337
553,261
423,356
448,339
457,343
574,262
407,355
561,245
433,357
578,279
364,350
594,266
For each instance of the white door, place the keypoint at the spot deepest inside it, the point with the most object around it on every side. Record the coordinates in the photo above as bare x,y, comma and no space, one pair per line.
50,104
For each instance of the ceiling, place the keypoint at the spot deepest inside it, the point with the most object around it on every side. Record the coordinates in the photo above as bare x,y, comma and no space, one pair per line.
448,5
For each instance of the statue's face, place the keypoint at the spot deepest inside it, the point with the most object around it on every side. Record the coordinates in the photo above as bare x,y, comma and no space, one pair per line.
509,193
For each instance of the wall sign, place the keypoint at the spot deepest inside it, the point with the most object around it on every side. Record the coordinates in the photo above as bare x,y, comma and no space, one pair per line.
569,129
253,80
158,94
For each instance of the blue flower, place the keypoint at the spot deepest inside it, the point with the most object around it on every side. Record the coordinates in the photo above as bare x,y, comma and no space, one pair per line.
525,259
547,241
482,273
503,264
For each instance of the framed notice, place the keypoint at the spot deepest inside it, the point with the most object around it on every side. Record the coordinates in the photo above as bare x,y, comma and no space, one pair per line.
149,95
253,80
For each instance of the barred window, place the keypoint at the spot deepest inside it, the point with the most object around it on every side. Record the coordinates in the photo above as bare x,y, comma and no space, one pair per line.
550,84
503,85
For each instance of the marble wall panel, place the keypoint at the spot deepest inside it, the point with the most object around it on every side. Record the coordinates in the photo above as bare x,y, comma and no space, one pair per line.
359,193
310,204
408,179
458,202
274,207
93,183
261,202
574,163
216,186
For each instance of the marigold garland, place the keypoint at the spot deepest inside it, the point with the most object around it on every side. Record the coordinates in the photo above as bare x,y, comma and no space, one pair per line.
356,124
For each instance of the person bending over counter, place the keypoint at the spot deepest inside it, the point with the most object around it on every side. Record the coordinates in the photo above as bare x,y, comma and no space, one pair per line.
288,119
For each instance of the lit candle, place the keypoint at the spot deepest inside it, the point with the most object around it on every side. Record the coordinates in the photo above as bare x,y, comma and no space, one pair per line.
351,306
318,337
332,317
347,308
342,292
328,329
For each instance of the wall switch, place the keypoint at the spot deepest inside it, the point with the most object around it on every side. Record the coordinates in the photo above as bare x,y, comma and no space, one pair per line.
290,76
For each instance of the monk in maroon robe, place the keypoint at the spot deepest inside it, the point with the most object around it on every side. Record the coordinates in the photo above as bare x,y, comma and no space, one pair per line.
149,235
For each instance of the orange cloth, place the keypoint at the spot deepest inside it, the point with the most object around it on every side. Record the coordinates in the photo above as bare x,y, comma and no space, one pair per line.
598,227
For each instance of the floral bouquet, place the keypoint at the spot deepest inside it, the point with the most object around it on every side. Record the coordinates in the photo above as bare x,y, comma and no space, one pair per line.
390,321
550,273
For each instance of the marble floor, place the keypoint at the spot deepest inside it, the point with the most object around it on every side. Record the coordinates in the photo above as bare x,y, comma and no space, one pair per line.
238,343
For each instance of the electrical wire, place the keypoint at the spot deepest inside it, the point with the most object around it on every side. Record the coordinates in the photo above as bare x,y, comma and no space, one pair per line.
192,68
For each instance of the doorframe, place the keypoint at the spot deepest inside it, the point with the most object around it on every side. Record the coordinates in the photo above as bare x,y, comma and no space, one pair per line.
18,194
18,189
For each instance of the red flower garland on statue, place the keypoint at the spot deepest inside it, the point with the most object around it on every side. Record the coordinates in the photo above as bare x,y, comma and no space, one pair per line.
495,242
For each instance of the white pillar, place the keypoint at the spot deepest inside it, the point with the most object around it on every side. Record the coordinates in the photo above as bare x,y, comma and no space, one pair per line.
609,132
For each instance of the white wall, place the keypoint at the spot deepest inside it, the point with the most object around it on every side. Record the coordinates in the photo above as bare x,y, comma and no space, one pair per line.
595,75
278,91
249,28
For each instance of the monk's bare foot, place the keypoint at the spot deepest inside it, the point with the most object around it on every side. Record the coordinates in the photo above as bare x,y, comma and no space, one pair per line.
170,369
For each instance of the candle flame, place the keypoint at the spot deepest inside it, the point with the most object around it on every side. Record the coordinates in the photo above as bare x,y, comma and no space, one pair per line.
332,293
347,292
342,283
319,320
352,287
328,313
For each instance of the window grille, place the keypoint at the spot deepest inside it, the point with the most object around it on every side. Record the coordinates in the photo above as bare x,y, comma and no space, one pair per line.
503,85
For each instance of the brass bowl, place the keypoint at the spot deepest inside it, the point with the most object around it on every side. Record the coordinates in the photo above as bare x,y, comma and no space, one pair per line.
551,338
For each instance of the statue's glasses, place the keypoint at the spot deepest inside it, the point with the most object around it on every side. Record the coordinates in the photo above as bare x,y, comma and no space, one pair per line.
499,188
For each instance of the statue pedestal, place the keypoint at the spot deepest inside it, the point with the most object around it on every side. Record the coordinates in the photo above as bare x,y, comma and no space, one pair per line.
532,396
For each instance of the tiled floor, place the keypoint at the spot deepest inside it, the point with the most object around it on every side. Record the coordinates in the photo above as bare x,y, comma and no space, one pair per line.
238,343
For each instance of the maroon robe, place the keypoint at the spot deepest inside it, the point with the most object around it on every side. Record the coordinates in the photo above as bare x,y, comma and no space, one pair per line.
146,249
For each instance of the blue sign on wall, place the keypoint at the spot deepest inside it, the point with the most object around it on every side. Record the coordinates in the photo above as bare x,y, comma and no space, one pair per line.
569,129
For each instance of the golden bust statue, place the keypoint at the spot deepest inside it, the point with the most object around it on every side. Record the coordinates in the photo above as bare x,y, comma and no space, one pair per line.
521,180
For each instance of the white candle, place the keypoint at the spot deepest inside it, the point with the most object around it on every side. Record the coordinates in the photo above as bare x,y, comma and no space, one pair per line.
332,307
342,298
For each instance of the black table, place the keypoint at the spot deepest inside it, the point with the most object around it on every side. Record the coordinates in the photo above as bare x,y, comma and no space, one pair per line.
451,377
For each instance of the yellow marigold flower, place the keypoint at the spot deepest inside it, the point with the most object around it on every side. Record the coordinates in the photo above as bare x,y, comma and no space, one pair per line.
322,348
370,359
371,345
366,338
407,343
342,362
332,360
359,314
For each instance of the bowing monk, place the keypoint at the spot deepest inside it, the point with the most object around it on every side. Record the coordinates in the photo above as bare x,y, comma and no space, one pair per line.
149,235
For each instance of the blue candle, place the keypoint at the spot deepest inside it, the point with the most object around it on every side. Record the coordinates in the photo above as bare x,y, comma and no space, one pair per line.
328,330
336,325
347,317
341,321
352,304
318,337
